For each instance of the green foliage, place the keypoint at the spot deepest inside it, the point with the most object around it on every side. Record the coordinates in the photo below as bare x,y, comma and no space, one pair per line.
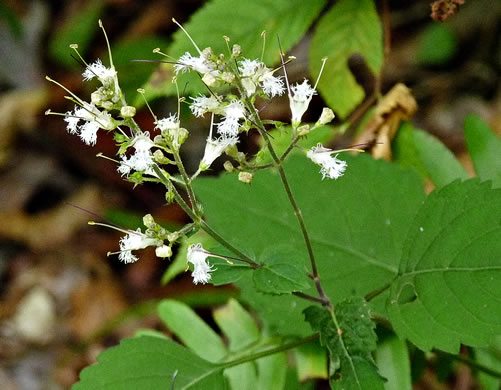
357,225
350,27
437,45
485,149
392,357
311,361
150,363
448,280
348,333
243,22
79,28
423,152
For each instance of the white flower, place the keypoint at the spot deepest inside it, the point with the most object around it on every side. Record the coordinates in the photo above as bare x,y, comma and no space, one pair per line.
300,100
172,122
105,75
255,73
170,128
163,251
133,241
197,256
214,148
202,104
233,112
326,117
93,119
332,167
141,160
199,64
272,86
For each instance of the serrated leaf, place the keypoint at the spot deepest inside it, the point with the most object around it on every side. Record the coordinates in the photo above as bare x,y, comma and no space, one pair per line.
198,336
485,149
150,363
392,357
348,333
243,22
237,324
448,291
357,226
350,27
283,271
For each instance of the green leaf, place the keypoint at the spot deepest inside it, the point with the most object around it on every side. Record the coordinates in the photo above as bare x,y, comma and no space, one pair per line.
283,271
350,27
489,357
79,29
448,291
428,155
437,45
272,372
243,22
311,361
192,330
485,149
348,333
150,363
237,324
392,357
242,377
357,226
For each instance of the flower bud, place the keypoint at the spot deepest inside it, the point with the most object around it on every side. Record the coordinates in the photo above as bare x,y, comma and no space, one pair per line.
127,111
228,166
236,50
245,177
209,80
228,77
207,53
326,117
303,130
163,251
148,221
160,158
107,105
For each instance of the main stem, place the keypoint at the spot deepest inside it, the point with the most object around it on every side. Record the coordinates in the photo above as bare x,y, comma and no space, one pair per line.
292,200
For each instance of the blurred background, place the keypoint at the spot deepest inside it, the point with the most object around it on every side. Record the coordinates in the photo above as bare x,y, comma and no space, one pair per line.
62,300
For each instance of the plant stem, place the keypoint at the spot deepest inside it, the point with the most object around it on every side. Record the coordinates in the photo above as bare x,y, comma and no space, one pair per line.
292,200
373,294
310,298
471,363
271,351
198,221
187,181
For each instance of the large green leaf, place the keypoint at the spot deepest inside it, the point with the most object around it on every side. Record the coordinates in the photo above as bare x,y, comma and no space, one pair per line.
348,333
150,363
357,226
485,149
392,357
243,22
448,290
350,27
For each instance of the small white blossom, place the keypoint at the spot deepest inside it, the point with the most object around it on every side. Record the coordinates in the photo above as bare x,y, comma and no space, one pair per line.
300,100
326,117
105,75
163,251
233,112
201,271
202,104
141,160
272,86
172,122
215,148
133,241
256,73
332,167
199,64
93,119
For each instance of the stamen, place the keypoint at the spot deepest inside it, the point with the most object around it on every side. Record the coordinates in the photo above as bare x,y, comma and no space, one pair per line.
320,74
107,43
188,35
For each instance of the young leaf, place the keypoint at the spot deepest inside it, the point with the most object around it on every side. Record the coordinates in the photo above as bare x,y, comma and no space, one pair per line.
447,291
198,336
357,226
392,357
283,271
237,324
348,333
150,363
350,27
428,155
485,149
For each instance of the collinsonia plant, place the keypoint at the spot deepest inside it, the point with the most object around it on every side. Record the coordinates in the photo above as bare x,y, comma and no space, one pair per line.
234,85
